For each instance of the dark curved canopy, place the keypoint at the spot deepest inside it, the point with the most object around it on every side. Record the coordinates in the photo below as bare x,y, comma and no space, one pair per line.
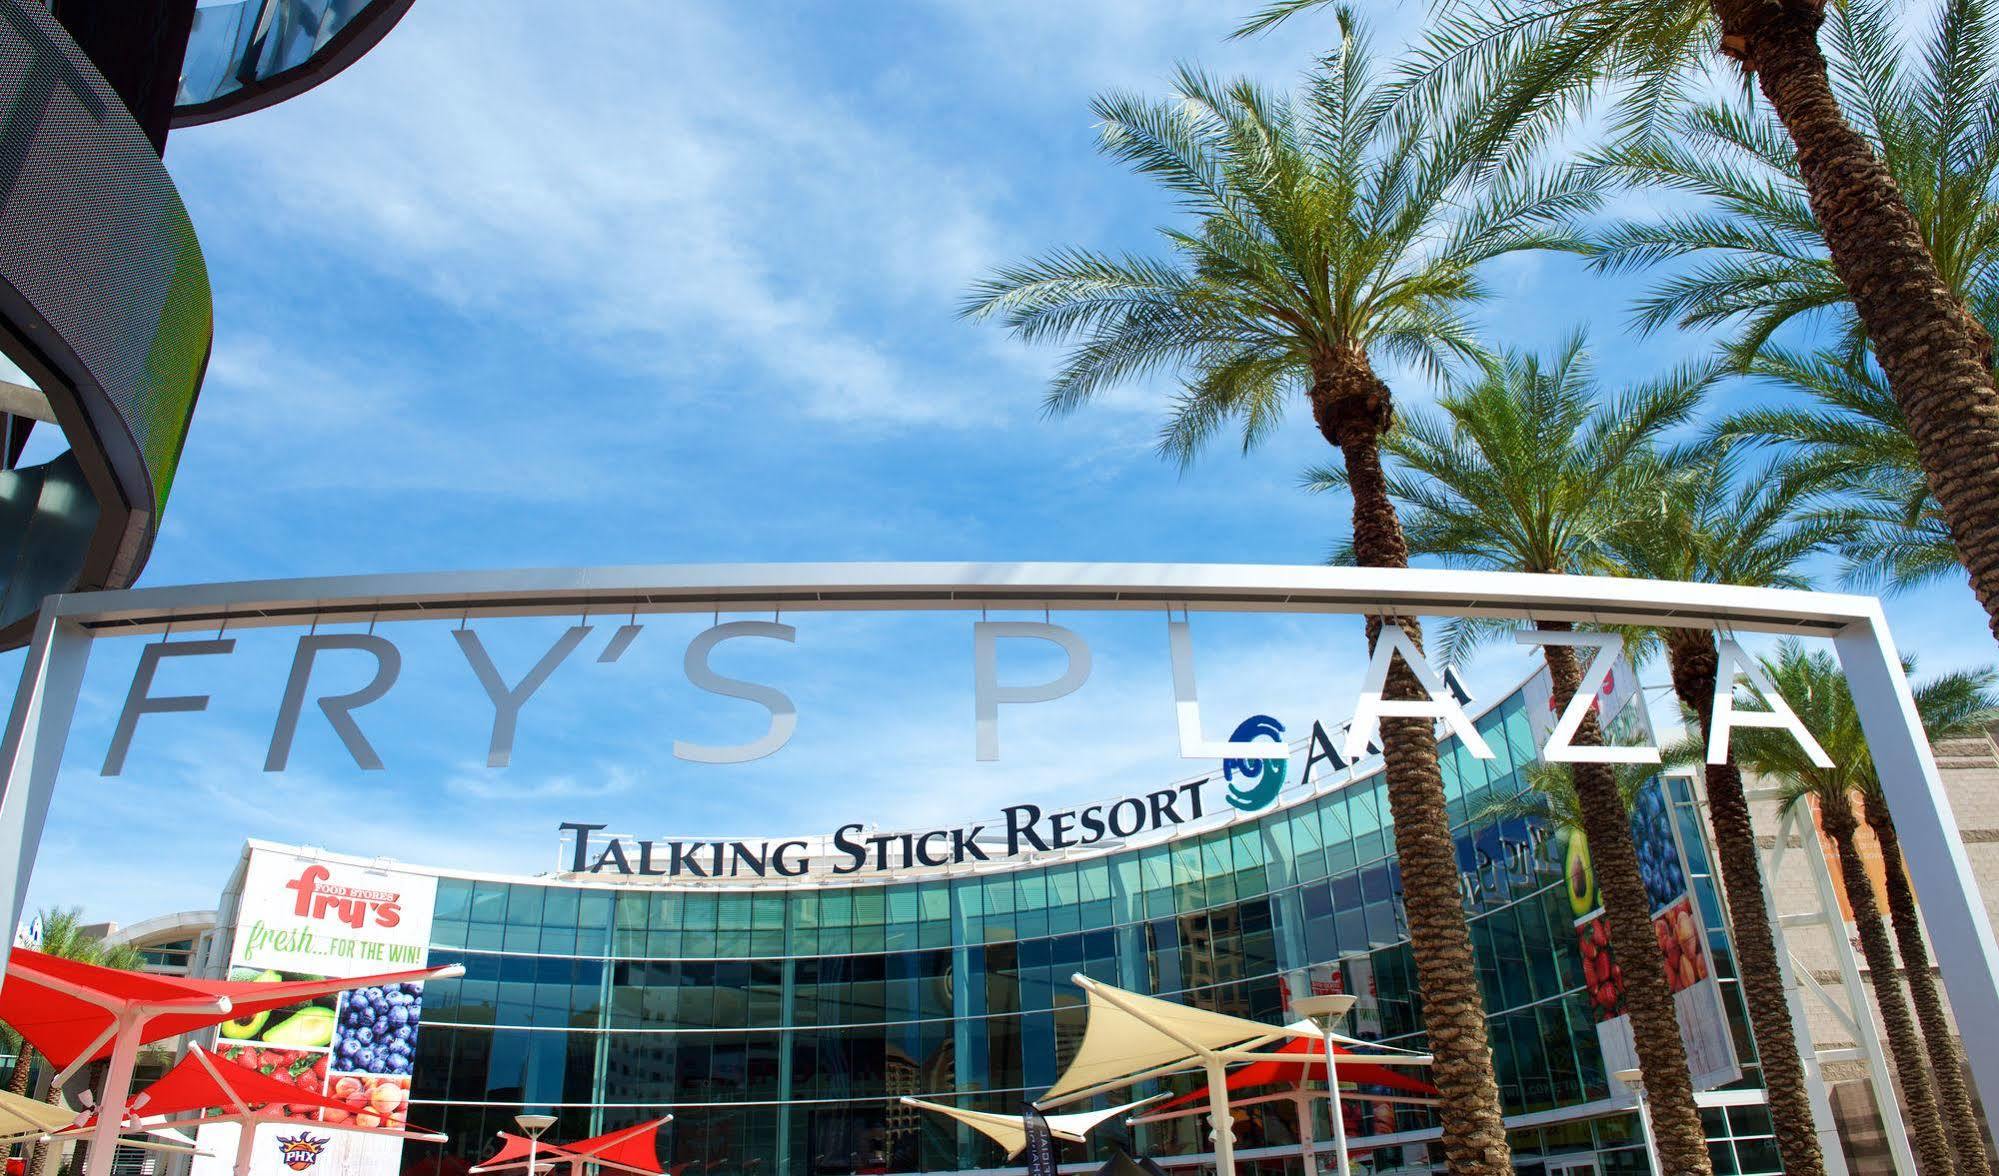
104,302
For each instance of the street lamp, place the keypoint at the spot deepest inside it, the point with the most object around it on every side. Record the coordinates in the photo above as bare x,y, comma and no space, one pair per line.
534,1125
1635,1079
1327,1011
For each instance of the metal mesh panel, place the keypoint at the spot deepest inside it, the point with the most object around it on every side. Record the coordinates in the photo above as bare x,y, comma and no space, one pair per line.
101,279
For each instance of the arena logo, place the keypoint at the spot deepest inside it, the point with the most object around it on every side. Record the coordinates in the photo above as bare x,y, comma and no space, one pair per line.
1264,778
1436,703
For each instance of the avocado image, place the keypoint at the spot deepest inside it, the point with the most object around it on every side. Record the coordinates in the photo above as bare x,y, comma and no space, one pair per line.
1581,877
310,1026
267,976
242,1028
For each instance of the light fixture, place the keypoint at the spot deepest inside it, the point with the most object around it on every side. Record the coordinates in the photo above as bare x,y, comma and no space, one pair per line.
1331,1006
1635,1079
534,1125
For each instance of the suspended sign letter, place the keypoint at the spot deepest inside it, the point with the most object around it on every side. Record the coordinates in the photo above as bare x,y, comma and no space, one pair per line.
140,701
1440,704
388,666
783,715
1779,717
988,694
1560,750
508,700
1187,705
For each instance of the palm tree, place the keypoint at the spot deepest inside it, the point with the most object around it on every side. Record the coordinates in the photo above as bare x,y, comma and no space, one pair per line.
63,937
1550,57
1524,470
1850,446
1951,706
1817,691
1324,239
1763,262
1705,524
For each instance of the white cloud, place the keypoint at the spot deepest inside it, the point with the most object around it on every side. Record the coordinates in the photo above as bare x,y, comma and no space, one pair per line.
669,195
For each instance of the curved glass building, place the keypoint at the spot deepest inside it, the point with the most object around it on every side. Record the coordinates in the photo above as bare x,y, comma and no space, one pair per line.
780,1020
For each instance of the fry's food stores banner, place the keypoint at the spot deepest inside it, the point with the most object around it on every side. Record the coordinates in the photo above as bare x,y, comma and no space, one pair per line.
310,919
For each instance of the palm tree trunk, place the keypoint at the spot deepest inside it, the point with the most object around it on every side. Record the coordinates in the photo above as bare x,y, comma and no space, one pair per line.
1676,1120
1474,1132
17,1082
1694,662
1919,1099
43,1153
1946,1062
1918,328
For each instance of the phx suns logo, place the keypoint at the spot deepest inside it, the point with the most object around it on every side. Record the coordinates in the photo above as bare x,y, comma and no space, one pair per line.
302,1151
1262,779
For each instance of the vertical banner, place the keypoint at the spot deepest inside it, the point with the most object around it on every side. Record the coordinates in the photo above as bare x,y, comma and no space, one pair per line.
1662,863
1040,1143
303,918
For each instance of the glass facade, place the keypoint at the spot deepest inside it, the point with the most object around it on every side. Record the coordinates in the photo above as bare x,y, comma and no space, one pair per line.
780,1025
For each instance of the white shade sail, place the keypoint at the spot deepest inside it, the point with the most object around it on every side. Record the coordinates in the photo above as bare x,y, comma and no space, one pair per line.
1010,1131
1130,1038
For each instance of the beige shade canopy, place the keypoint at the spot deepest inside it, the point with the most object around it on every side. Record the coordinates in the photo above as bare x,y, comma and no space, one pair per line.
1010,1131
1130,1038
30,1118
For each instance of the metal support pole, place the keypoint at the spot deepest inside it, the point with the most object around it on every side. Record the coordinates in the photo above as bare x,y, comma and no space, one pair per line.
246,1141
1218,1118
1645,1127
1960,934
1333,1102
31,752
117,1088
1308,1144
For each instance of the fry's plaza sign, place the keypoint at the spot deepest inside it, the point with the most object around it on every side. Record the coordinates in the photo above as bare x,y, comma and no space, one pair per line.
69,626
508,699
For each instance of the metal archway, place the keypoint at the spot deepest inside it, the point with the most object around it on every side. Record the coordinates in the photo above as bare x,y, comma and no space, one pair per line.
1967,954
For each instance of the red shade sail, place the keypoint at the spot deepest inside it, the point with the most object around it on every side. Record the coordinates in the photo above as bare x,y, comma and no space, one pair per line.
68,1010
629,1149
1311,1064
514,1153
632,1147
205,1081
202,1079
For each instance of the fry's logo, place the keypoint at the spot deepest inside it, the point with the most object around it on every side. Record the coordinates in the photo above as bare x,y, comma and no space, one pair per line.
320,899
302,1151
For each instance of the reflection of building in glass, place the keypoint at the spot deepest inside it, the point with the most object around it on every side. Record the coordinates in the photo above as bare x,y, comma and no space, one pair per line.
243,55
779,1022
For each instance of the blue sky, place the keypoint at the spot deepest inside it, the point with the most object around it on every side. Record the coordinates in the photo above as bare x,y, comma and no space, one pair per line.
647,283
